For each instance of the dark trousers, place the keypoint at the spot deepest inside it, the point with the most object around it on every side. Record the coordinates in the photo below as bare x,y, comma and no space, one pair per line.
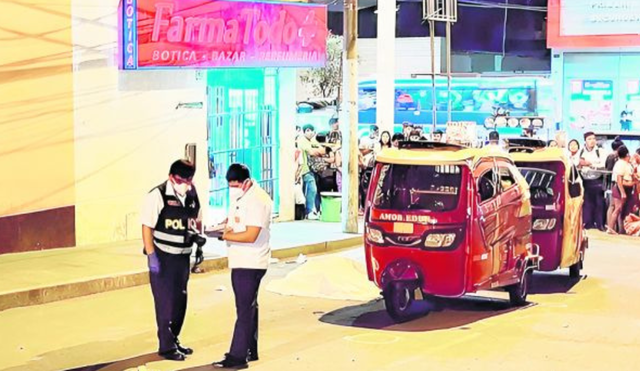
169,288
593,209
246,283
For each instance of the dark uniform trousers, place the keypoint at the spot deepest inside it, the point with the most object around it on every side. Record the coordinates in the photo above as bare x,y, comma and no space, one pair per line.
246,283
593,209
169,288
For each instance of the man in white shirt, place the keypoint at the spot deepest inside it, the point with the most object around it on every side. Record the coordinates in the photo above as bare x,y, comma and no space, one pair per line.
247,235
592,161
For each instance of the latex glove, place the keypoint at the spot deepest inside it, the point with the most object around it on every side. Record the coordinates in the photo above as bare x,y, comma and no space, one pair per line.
199,256
154,263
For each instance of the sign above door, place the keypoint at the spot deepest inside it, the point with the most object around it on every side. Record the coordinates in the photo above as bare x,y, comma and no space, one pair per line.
221,34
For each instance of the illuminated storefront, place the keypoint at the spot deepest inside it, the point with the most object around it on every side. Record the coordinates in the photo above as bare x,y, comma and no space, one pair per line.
243,49
473,99
596,64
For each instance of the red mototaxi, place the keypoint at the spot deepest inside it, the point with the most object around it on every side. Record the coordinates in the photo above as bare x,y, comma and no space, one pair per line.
448,221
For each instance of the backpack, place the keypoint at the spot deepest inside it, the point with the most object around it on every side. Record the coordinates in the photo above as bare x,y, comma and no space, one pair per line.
317,164
597,152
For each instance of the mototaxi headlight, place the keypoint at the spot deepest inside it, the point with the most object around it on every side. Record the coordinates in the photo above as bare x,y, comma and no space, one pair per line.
544,224
436,240
374,236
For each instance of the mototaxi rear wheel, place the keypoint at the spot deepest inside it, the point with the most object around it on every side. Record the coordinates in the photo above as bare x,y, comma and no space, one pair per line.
574,270
518,292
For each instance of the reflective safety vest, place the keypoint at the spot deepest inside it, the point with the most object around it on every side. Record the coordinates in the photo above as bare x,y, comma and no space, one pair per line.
171,232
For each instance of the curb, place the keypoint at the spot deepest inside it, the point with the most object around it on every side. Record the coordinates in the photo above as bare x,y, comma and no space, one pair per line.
72,290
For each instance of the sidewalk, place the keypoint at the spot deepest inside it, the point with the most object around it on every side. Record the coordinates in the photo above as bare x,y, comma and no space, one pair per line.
40,277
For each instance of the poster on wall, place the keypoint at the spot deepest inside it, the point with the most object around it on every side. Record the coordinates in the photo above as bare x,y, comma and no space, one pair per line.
591,105
628,115
222,33
461,132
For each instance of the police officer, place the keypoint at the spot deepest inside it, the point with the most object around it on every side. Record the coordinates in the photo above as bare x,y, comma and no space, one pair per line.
247,235
170,211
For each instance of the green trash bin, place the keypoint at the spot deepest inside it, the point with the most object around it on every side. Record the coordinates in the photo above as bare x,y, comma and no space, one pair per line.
331,206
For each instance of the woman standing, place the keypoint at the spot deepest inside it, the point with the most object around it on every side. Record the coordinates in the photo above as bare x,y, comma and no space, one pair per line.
622,190
385,140
574,149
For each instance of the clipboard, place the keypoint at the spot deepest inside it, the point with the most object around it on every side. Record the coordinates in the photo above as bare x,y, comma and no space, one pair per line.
216,231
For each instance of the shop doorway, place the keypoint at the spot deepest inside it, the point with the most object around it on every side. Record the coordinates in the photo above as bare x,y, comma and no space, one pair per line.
242,127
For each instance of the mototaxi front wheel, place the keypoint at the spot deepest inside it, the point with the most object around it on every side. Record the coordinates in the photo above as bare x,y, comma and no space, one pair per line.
399,300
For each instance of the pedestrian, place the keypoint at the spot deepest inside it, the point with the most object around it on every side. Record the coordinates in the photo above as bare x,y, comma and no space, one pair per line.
407,128
385,141
494,138
415,136
623,182
561,139
309,147
437,136
574,149
374,133
335,136
247,235
170,211
592,161
609,163
397,138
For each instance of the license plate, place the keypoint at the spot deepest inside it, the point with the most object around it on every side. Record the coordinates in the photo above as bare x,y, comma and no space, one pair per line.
403,228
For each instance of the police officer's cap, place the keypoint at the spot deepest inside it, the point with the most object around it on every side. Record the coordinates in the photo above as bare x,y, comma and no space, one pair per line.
182,168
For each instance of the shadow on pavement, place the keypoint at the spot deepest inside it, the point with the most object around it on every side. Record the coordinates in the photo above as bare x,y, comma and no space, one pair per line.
207,367
122,364
553,283
445,314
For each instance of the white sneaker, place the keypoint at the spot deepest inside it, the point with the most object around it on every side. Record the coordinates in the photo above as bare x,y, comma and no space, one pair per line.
313,216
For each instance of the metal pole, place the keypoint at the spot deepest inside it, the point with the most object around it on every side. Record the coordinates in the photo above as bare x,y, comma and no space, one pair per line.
448,41
434,102
350,135
386,65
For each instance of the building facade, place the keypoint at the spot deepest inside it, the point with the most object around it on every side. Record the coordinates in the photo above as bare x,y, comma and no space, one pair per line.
99,97
596,64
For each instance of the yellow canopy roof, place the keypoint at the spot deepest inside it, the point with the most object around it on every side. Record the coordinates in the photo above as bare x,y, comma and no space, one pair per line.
542,155
438,156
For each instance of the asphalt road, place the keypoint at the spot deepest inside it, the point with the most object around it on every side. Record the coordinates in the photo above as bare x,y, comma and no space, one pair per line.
587,324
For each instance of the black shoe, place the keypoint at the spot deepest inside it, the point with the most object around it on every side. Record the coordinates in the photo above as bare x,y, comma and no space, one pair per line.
173,355
252,357
184,350
231,363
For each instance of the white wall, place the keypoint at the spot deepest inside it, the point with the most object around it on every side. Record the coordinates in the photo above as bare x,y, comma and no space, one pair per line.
413,56
127,128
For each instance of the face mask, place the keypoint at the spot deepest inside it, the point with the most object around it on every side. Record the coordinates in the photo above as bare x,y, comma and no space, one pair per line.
235,193
181,189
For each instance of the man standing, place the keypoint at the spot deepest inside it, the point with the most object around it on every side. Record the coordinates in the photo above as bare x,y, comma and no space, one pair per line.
169,212
592,161
374,133
437,136
308,179
247,236
407,128
335,136
494,138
